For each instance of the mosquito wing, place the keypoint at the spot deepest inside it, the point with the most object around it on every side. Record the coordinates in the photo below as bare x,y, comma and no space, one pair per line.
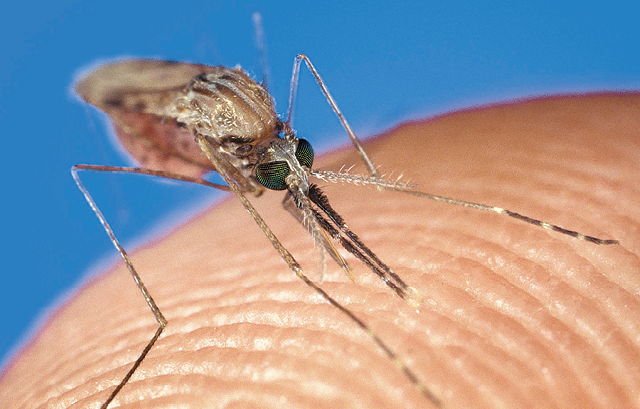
139,96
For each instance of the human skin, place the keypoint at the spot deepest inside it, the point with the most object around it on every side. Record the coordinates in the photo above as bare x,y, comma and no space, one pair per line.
513,315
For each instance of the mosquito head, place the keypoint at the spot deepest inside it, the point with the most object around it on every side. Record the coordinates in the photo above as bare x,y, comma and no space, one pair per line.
285,164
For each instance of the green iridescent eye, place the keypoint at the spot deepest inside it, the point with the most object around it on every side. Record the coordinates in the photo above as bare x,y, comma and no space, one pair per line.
304,153
272,174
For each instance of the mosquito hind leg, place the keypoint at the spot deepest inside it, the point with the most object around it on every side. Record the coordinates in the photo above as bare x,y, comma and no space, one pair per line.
162,321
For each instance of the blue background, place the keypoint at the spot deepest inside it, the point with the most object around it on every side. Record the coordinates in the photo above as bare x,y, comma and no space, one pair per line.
383,61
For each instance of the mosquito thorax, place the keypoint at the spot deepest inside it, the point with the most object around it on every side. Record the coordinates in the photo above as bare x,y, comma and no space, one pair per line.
231,108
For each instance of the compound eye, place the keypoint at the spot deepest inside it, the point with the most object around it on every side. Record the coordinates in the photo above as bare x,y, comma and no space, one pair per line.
304,153
272,175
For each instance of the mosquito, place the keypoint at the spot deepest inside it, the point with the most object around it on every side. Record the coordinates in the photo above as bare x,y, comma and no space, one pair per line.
182,120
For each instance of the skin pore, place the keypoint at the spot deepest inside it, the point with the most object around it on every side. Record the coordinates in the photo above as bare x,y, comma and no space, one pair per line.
513,315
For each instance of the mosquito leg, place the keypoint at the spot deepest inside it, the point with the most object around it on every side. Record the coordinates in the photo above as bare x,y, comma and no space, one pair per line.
405,188
162,322
215,158
526,219
262,48
293,91
292,97
157,173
